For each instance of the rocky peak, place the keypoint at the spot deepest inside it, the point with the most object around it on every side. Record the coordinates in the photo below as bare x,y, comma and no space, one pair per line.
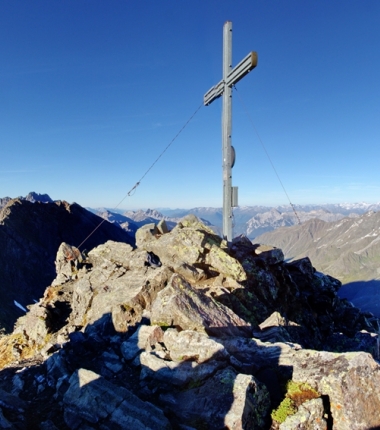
30,234
36,197
186,331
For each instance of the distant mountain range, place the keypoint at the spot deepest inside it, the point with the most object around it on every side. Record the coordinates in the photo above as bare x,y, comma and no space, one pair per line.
249,220
348,249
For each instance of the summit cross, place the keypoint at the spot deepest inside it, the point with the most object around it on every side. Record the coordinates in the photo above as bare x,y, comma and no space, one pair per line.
230,77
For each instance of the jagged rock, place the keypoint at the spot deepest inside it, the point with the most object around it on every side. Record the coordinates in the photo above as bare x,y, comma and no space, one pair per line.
340,377
309,416
146,233
190,273
162,227
191,243
275,329
192,345
94,400
82,297
178,374
270,254
67,263
228,400
112,361
34,325
57,370
126,297
46,317
262,354
350,380
179,304
48,425
142,340
114,252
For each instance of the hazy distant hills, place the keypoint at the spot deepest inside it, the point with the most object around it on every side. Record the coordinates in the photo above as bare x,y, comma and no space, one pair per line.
251,221
255,220
133,220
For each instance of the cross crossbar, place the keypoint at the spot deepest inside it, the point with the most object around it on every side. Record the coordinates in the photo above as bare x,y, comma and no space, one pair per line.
237,73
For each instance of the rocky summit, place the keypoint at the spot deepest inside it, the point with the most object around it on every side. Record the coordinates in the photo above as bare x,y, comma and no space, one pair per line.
188,332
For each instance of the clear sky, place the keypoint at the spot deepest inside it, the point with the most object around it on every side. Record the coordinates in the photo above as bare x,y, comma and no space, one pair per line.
92,91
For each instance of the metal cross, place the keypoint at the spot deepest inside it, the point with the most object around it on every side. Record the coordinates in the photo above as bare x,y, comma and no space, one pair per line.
230,77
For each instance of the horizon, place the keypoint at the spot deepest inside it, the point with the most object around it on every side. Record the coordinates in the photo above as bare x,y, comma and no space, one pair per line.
158,208
93,93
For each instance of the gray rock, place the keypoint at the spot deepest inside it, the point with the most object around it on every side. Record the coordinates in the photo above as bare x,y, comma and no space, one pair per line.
67,263
350,380
114,252
82,297
170,373
142,340
189,243
94,400
145,234
270,254
48,425
309,416
192,345
18,384
181,305
228,400
56,369
112,361
126,297
162,227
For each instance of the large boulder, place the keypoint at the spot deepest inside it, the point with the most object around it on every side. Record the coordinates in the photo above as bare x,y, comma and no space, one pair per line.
191,243
350,381
168,374
227,400
91,399
181,305
194,346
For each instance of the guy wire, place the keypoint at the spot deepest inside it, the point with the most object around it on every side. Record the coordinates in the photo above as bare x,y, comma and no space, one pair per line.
267,154
133,189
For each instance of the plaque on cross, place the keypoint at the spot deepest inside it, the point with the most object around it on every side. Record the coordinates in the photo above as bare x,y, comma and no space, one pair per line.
230,77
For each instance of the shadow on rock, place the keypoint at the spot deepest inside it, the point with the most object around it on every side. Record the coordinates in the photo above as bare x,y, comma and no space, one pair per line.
147,378
365,295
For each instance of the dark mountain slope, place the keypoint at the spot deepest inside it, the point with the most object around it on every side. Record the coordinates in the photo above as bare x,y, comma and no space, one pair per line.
30,234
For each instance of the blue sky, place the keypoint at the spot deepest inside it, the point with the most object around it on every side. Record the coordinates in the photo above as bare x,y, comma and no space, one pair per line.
92,91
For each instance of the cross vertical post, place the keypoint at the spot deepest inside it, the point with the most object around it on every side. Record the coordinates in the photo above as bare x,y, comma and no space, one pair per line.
224,87
227,132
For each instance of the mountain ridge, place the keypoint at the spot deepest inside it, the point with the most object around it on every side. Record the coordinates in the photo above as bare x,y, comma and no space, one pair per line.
30,233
